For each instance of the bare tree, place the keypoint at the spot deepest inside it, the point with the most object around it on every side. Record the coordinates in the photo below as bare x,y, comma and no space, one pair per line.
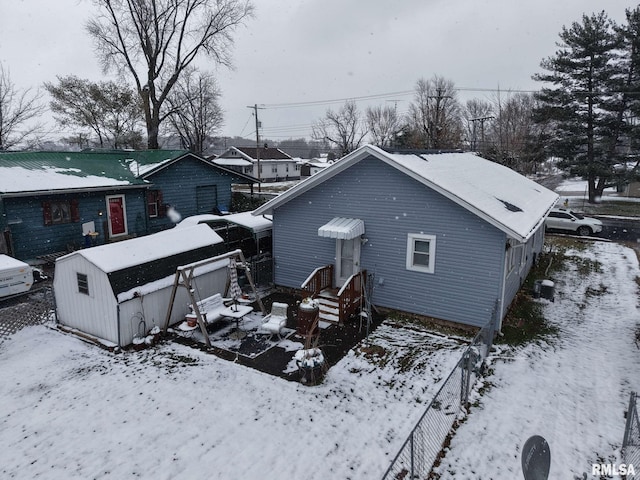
17,109
342,129
111,110
515,139
156,40
195,114
434,115
383,123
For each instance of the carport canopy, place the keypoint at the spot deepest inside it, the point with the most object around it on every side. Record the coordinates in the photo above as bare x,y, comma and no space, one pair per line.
342,228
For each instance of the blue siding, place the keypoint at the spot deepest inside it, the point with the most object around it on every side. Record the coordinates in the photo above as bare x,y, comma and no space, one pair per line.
469,256
32,238
178,183
518,275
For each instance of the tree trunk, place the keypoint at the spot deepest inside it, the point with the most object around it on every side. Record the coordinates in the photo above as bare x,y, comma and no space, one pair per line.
592,189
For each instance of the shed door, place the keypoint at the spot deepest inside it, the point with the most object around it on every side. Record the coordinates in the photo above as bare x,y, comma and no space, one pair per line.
206,198
117,215
347,259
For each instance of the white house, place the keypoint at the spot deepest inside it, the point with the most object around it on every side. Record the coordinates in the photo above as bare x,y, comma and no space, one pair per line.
117,291
268,164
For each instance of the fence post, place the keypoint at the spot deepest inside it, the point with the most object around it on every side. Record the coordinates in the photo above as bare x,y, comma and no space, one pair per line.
631,413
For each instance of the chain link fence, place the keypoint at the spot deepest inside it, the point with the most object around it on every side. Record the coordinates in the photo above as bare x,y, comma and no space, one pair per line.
631,441
423,448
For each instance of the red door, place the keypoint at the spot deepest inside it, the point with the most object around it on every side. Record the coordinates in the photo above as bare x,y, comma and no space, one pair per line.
117,225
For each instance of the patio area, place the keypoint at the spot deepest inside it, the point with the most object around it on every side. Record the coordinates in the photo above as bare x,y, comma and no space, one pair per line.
270,354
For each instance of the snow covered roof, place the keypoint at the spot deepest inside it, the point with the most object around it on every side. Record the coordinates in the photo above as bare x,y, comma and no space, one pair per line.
116,256
232,162
250,154
30,172
10,263
497,194
46,171
244,219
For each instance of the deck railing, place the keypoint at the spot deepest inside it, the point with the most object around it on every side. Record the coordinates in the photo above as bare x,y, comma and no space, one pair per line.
320,278
350,295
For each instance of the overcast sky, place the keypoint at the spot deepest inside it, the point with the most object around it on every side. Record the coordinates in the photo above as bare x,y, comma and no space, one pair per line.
312,51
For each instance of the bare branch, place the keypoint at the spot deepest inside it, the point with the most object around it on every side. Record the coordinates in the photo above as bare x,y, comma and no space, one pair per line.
17,110
157,40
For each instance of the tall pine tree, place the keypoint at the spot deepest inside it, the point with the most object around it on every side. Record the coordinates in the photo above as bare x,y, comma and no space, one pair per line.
579,104
629,96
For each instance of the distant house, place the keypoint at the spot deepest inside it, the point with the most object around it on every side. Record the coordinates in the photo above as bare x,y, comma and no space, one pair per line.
54,202
451,235
273,165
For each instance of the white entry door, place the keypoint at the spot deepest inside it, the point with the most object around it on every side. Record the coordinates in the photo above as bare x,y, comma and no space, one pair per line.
347,259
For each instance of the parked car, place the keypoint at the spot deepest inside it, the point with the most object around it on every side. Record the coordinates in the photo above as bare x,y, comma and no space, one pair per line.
569,221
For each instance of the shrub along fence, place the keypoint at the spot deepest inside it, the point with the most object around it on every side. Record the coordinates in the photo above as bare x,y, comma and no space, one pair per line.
422,448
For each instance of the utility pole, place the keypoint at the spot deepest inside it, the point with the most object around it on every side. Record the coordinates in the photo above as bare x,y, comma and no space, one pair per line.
481,120
255,112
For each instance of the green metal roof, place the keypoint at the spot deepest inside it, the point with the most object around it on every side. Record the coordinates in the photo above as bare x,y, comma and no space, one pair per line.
22,173
46,171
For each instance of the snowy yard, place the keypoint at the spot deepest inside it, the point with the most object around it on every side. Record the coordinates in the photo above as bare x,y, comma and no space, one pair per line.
71,410
573,389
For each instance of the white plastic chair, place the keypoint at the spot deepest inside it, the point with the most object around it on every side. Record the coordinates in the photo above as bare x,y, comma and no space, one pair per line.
275,322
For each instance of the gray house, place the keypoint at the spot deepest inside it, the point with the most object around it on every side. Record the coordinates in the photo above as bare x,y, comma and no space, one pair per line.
446,235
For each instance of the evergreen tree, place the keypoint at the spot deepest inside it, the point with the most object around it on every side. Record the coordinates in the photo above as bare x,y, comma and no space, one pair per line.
629,95
579,105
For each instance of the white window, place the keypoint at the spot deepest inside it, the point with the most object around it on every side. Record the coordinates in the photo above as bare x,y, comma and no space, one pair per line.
421,252
516,258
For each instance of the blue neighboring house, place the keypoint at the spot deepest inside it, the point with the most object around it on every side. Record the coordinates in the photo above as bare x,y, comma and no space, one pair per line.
448,235
53,202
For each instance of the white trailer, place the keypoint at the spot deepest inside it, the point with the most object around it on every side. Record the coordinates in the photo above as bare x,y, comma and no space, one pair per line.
15,276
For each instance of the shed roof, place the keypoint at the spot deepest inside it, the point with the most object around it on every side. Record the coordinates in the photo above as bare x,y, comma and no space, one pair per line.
497,194
140,261
135,251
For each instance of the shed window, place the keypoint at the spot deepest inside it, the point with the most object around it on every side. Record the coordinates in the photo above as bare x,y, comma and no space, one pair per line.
421,251
60,211
83,283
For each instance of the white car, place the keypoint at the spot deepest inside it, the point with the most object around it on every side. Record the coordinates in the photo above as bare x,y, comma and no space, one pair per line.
568,221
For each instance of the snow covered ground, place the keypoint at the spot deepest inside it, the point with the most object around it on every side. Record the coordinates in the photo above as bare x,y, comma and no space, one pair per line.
70,410
574,389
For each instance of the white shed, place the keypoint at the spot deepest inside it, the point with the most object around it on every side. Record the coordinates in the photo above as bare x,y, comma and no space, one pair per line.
116,291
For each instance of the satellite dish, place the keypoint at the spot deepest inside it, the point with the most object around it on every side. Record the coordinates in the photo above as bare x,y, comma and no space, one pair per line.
536,458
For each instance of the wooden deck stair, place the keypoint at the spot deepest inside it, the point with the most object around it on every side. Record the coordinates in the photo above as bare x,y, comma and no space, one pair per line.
329,305
336,305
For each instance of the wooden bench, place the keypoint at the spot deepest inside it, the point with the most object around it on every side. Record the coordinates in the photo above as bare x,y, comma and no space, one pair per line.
210,308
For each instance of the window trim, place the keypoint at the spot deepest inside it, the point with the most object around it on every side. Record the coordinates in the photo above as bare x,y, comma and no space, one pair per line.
411,242
83,283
